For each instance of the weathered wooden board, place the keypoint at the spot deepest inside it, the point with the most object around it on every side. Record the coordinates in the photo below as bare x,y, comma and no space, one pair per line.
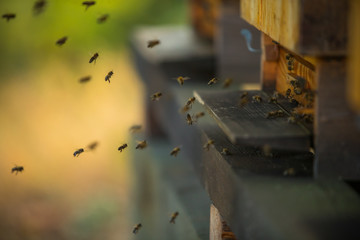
218,227
306,27
269,63
248,124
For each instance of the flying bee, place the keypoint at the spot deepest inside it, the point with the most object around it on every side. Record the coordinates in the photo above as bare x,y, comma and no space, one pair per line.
61,41
199,115
103,18
93,58
153,43
122,147
173,217
135,128
185,109
156,96
88,4
289,172
189,119
39,6
227,82
108,76
256,98
137,228
17,169
225,151
141,144
207,144
9,16
93,145
190,101
78,152
181,79
212,81
175,151
85,79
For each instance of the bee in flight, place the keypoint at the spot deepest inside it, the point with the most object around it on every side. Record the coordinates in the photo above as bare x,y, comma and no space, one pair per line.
122,147
212,81
93,58
156,96
9,16
175,151
153,43
173,217
78,152
181,79
103,18
207,145
185,109
199,115
108,76
17,169
135,128
137,228
61,41
141,144
93,145
39,6
189,119
88,4
85,79
227,82
190,101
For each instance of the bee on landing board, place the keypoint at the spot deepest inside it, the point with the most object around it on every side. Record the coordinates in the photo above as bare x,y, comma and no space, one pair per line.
39,6
61,41
244,99
102,18
207,144
227,82
275,114
257,99
137,228
88,4
135,128
173,217
108,76
85,79
93,58
175,151
78,152
212,81
8,16
122,147
181,80
156,96
153,43
17,169
141,144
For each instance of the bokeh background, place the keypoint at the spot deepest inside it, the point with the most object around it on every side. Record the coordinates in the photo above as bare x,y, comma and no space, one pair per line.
46,114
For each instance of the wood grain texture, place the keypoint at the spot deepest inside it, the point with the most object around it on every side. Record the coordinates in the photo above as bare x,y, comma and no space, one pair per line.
269,63
248,124
306,27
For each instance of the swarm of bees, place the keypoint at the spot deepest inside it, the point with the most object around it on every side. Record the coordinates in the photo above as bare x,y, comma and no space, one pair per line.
122,147
88,4
17,169
208,144
137,228
173,217
181,80
78,152
8,16
156,96
175,151
108,76
61,41
153,43
93,58
141,144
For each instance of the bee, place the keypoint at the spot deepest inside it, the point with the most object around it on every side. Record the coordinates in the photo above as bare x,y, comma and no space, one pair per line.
175,151
290,61
256,98
190,101
141,144
77,152
212,81
243,99
17,169
189,119
93,58
207,145
137,228
292,119
289,172
227,82
108,76
88,4
153,43
156,96
93,145
103,18
297,90
274,114
185,109
61,41
85,79
135,128
199,115
225,151
122,147
173,217
39,6
244,95
309,118
288,93
181,79
266,149
9,16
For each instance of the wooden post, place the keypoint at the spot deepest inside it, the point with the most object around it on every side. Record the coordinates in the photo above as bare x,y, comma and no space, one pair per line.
269,63
218,227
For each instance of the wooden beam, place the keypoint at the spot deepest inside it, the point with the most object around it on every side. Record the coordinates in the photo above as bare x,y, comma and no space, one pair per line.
219,230
269,63
306,27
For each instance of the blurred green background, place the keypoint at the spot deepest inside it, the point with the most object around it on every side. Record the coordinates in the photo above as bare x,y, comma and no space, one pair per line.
46,114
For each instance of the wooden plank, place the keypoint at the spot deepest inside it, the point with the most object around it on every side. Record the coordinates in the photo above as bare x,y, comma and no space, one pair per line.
269,63
248,124
219,230
337,136
306,27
